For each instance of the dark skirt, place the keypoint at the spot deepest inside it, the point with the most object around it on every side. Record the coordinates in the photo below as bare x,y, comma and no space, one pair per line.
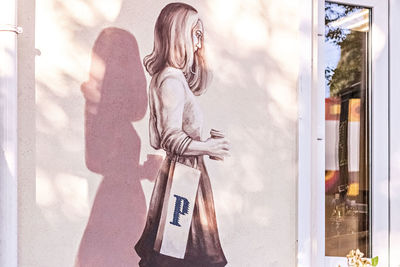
203,248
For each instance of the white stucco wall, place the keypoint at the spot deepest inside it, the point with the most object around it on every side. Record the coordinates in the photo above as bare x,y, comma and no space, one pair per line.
253,49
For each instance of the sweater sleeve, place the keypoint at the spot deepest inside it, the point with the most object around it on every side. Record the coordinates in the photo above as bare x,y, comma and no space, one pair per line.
171,97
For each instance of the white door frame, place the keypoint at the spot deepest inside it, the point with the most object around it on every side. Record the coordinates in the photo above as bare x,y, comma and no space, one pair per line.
311,184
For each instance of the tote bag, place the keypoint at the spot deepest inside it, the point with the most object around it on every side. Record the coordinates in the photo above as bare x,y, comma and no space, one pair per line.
177,211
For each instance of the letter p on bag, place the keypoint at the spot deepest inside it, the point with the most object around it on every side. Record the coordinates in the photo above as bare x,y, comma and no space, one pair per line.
181,208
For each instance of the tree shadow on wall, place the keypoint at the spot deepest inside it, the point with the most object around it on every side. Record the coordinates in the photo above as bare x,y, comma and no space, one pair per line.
115,95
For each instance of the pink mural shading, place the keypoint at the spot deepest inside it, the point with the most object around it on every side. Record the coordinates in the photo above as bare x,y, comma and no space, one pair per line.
115,95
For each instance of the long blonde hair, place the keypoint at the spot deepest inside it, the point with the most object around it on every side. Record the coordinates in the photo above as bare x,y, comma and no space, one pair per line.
173,46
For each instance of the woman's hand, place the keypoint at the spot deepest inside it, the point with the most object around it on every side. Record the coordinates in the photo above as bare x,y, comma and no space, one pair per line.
217,148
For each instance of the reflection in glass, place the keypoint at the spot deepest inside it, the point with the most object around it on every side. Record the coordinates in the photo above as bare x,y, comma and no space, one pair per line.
347,181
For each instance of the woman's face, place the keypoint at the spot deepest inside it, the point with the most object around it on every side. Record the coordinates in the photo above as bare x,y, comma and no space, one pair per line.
197,35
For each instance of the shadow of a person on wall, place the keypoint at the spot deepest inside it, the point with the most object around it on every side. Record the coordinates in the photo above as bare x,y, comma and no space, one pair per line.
115,95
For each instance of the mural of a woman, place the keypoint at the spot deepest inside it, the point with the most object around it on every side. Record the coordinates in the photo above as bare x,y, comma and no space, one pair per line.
179,74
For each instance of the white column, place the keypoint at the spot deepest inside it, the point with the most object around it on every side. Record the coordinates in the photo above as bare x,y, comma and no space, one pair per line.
304,238
8,134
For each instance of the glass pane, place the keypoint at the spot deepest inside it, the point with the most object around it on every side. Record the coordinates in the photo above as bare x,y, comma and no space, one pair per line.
347,123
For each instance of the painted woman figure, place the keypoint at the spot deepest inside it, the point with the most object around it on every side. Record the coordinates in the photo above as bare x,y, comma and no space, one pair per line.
179,74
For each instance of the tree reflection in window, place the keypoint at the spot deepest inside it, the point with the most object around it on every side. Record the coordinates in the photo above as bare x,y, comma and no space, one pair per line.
347,186
350,42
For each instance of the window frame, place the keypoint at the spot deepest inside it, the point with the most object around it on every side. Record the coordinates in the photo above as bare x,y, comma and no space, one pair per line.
394,78
311,128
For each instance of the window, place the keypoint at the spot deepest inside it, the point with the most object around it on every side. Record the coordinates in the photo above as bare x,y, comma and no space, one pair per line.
353,75
343,183
347,137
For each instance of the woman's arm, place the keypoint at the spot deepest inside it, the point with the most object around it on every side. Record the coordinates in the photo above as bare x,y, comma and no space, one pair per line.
170,102
216,147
